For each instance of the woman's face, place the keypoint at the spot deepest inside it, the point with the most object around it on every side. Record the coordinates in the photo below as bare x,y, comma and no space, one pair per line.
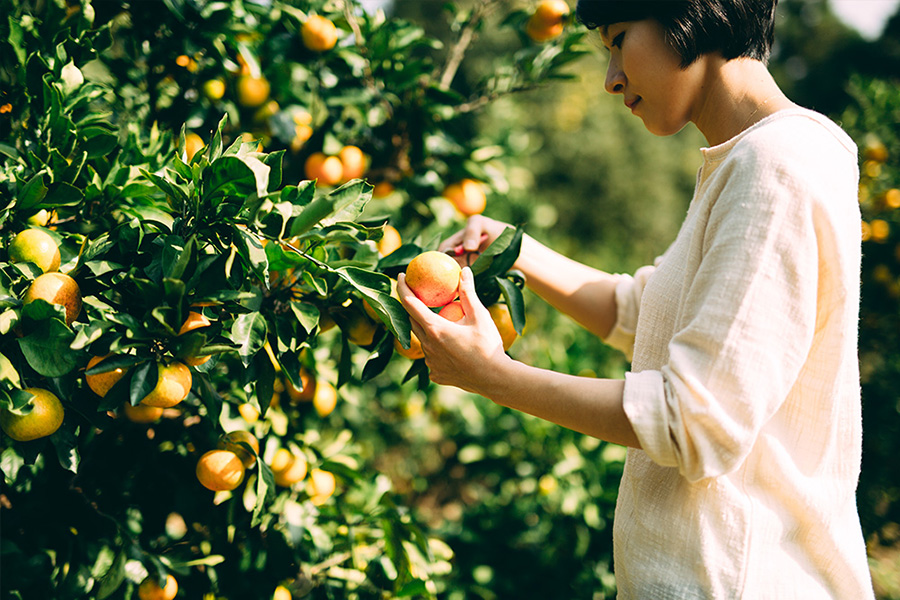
647,71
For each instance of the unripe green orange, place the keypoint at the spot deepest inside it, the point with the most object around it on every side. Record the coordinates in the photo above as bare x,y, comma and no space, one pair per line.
45,417
434,278
35,246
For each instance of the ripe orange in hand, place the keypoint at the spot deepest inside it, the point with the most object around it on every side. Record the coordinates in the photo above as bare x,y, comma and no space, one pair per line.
319,33
150,589
59,289
172,386
45,417
101,383
453,311
235,440
220,470
434,278
35,246
467,196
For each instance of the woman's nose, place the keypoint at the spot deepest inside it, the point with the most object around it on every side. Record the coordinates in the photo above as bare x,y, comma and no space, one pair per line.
615,78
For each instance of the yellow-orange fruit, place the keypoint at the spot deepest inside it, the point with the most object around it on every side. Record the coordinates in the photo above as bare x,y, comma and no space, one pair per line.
193,144
503,320
415,347
45,417
101,383
220,470
142,413
360,329
325,399
390,240
453,311
235,440
214,89
327,170
353,162
249,412
41,218
547,21
252,91
172,386
282,593
320,486
467,196
59,289
288,468
434,278
35,246
319,33
307,389
150,589
383,189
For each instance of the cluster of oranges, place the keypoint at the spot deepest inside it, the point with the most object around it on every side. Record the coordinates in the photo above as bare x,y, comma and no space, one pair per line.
328,170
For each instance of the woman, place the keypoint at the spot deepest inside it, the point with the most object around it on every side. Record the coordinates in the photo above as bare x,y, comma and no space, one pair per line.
742,408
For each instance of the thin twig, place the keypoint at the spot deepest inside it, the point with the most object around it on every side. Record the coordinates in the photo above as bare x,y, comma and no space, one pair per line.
458,51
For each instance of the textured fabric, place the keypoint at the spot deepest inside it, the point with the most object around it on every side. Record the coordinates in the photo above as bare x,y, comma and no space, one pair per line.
744,388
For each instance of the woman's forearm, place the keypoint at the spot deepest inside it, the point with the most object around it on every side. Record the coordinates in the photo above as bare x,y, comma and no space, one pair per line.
584,293
587,405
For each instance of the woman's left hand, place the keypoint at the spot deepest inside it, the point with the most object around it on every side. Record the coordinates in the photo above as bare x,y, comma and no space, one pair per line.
463,353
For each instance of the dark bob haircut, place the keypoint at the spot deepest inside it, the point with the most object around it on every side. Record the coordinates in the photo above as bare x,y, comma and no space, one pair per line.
736,28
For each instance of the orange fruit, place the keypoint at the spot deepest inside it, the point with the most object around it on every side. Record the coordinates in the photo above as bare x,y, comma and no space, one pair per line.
547,21
194,320
467,196
282,593
434,278
214,89
287,467
220,470
193,144
453,311
59,289
101,383
172,386
353,162
252,91
35,246
503,320
150,589
360,329
390,240
320,486
415,347
383,189
325,399
307,389
235,440
45,417
319,33
249,412
142,413
327,170
41,218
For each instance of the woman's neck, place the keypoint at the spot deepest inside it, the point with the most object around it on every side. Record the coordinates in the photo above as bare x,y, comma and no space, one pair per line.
738,93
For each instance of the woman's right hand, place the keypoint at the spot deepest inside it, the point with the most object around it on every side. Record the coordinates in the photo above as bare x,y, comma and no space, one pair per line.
479,233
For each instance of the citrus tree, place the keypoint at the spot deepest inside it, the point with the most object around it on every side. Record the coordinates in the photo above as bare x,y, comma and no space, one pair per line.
203,208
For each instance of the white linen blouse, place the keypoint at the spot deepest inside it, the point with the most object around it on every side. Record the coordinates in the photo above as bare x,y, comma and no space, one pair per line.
744,389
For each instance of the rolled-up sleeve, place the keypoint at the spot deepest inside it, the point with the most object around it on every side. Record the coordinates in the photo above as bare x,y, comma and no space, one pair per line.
629,289
745,323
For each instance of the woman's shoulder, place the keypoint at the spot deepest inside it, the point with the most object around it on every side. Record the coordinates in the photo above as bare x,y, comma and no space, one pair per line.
795,133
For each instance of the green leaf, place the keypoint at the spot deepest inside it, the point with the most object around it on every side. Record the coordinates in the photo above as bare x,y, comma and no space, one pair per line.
46,348
249,333
265,380
516,303
307,314
376,287
33,193
8,373
342,204
265,489
143,380
234,178
252,253
113,578
66,444
379,358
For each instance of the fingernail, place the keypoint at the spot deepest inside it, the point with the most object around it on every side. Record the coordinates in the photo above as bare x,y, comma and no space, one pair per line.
466,273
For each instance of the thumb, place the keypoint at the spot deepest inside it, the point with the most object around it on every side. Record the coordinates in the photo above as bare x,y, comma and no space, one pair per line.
468,297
